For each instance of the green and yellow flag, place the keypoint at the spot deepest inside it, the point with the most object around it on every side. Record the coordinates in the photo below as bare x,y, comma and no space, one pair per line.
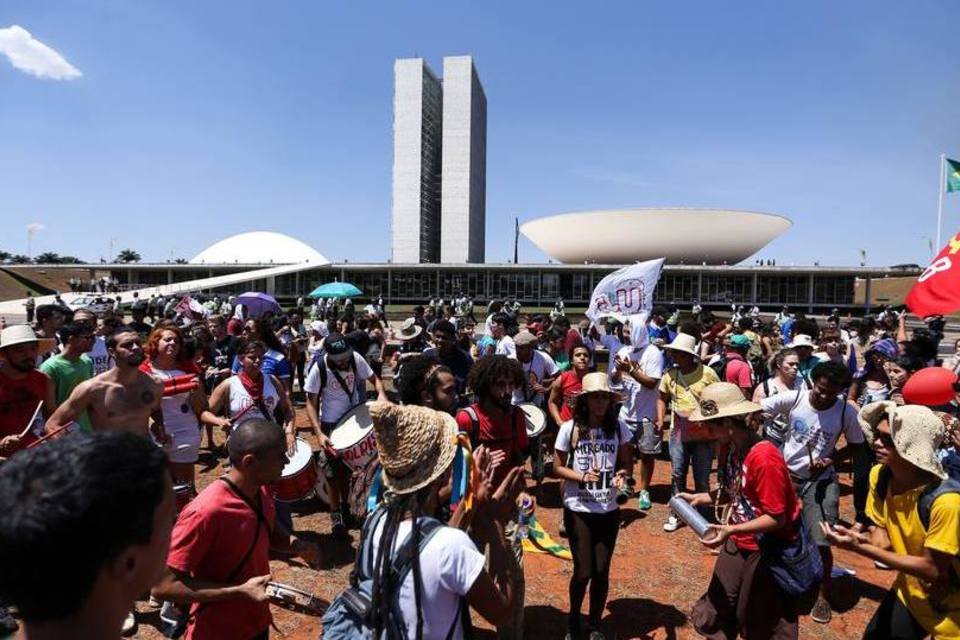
539,541
953,175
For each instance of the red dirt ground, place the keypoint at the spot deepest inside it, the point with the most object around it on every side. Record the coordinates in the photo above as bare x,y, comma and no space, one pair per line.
655,577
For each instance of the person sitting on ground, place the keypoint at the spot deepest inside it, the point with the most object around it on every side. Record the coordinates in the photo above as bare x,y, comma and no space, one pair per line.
743,598
915,509
56,499
218,560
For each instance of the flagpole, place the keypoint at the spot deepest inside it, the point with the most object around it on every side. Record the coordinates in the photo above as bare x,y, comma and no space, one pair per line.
943,182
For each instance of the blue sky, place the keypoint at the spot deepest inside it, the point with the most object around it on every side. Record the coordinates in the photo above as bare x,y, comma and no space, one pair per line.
196,120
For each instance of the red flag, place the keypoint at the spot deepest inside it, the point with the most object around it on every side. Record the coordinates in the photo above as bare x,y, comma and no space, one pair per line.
937,291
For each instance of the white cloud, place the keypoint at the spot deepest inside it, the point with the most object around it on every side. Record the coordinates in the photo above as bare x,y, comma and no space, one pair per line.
29,55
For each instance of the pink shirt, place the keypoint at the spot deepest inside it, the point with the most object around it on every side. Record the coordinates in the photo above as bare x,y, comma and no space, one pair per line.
738,371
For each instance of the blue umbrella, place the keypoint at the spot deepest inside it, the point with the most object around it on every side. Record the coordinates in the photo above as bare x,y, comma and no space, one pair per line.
336,290
256,303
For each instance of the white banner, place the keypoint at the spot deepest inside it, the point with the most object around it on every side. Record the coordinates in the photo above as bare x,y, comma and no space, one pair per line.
626,292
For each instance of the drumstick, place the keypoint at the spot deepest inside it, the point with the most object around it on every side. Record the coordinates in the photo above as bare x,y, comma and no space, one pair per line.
32,418
51,434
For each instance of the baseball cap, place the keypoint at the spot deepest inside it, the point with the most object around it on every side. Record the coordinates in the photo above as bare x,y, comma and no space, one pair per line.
337,347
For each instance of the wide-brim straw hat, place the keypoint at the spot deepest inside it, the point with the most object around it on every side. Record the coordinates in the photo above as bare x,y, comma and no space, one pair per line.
917,432
597,382
416,444
722,400
683,342
801,340
409,329
23,334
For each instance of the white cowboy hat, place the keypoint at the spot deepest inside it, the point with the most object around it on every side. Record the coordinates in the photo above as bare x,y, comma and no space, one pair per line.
802,340
685,343
23,334
409,329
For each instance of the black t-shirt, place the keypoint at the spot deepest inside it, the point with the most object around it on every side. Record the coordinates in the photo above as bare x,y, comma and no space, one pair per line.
222,352
359,340
459,363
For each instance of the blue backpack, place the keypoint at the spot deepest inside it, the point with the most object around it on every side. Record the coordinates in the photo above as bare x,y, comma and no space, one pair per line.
348,617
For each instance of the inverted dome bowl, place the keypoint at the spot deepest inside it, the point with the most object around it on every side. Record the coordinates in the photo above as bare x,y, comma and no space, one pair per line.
623,236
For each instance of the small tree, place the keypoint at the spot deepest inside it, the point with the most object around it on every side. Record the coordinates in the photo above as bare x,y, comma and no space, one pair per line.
128,255
48,257
20,259
180,261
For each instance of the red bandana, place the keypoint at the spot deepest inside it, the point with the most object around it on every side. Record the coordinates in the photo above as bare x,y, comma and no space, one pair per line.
253,387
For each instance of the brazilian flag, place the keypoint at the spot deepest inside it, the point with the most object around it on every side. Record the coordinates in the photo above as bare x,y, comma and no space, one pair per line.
539,541
953,175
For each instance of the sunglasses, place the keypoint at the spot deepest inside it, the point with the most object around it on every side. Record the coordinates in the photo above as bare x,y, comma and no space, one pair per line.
885,439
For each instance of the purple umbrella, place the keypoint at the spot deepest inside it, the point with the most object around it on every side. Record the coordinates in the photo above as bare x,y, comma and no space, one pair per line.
257,303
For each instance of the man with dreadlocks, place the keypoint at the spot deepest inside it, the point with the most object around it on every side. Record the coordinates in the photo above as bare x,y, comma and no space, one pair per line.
416,446
494,422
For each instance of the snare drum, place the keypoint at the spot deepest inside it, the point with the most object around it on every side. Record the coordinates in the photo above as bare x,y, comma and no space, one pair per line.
354,439
183,494
534,417
299,475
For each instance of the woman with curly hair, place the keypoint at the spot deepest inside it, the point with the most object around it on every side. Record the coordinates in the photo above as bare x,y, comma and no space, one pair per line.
182,409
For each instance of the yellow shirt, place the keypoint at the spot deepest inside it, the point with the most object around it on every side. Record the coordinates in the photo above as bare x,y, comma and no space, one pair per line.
685,389
898,515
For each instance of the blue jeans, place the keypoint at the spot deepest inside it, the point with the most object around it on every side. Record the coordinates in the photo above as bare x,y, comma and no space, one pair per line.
700,455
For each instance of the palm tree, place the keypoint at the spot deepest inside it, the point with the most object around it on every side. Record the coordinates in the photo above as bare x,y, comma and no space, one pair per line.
20,259
48,257
128,255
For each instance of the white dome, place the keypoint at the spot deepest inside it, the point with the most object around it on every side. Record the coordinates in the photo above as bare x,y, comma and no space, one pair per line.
259,247
622,236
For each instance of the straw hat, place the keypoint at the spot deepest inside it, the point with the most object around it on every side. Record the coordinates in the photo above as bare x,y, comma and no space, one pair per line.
801,340
917,432
683,342
409,329
23,334
722,400
416,444
596,382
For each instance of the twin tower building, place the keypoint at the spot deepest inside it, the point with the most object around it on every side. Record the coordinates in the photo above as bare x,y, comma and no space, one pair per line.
439,162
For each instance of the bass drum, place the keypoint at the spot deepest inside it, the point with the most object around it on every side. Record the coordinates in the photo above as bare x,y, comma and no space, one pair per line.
299,477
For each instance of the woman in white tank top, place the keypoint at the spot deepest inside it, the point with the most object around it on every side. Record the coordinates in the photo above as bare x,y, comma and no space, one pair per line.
183,410
250,394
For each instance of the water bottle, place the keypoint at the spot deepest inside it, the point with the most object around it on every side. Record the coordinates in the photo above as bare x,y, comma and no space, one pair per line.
525,507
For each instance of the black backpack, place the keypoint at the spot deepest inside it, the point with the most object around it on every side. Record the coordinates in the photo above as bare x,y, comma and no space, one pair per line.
720,367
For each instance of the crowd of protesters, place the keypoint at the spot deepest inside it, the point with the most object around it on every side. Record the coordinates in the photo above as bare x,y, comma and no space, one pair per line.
761,411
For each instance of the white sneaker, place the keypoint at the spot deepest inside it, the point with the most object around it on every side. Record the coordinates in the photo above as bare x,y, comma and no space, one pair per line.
672,524
129,625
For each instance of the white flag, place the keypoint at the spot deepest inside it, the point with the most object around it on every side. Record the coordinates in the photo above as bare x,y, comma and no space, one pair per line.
626,291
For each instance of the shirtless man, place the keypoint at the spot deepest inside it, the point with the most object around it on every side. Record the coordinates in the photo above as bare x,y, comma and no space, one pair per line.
120,399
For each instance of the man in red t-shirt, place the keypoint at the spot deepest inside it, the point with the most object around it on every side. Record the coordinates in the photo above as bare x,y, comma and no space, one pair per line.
23,389
738,370
499,426
219,551
493,421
